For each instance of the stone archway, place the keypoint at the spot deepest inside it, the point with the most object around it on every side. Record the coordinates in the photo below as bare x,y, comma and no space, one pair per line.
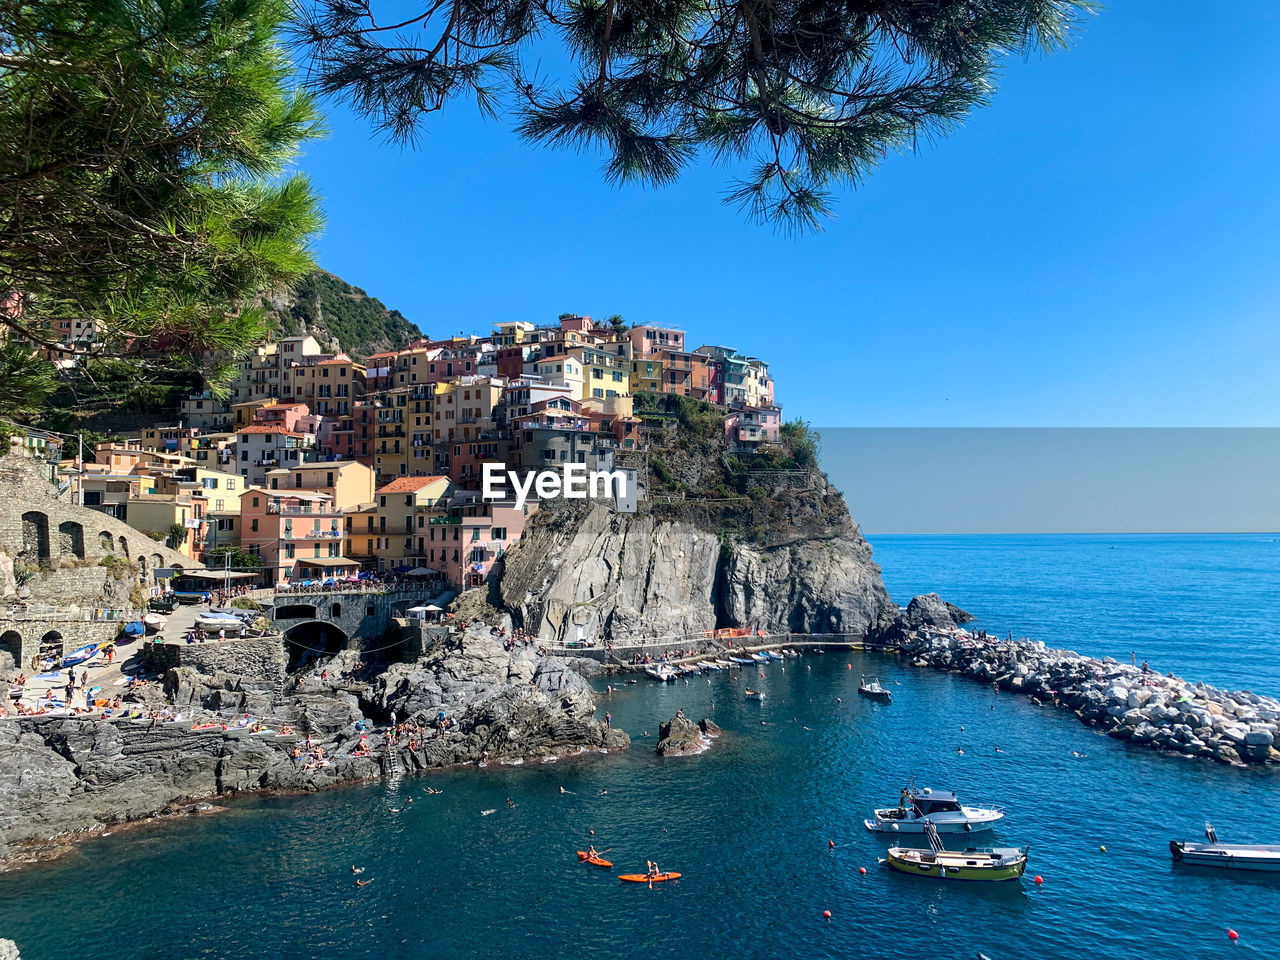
10,650
105,543
71,539
124,547
35,535
51,645
312,641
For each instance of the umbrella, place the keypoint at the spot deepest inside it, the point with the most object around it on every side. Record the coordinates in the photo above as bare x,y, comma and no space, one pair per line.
421,572
432,608
329,581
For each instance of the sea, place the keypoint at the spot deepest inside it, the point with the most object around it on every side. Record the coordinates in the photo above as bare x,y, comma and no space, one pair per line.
766,825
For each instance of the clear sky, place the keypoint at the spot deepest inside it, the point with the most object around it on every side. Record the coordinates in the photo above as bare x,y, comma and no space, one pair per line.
1037,480
1098,248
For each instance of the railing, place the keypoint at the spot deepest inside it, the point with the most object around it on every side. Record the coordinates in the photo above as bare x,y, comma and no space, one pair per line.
444,520
312,535
304,511
44,611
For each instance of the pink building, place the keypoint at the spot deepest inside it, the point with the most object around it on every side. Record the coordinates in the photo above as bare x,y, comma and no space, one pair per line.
647,340
749,428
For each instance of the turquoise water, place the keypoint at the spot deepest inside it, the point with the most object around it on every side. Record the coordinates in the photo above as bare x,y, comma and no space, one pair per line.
747,823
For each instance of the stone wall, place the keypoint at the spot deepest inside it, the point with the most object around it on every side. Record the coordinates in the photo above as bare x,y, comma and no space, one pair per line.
20,639
60,546
261,657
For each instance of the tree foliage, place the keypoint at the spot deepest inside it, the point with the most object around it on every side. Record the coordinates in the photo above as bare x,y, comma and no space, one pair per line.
144,147
799,94
241,560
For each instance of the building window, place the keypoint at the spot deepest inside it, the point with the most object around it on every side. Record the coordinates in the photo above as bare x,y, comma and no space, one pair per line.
253,524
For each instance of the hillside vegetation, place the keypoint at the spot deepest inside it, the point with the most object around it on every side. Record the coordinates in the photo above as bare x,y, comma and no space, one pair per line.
340,316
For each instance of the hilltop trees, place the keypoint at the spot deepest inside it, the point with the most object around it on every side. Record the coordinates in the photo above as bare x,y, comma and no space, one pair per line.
800,93
144,147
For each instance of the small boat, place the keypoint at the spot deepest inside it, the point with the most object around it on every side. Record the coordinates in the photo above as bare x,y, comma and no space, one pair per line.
645,878
597,860
770,655
759,658
153,622
741,661
719,661
989,864
871,688
918,809
660,672
706,665
1229,856
77,657
754,694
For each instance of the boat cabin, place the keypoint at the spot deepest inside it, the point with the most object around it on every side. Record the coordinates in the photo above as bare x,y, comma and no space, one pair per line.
926,802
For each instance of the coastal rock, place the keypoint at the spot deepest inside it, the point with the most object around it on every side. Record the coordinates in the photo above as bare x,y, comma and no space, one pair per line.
8,950
583,570
680,737
1142,707
73,775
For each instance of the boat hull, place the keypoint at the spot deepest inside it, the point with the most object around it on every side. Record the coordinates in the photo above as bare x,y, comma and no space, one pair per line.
958,865
946,827
1260,859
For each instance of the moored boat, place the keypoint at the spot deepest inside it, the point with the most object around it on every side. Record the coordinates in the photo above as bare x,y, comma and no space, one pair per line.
754,694
708,665
153,622
987,864
770,655
917,809
870,687
759,658
741,661
1264,857
720,661
660,672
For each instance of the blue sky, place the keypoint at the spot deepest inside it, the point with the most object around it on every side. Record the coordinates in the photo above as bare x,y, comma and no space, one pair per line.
1098,248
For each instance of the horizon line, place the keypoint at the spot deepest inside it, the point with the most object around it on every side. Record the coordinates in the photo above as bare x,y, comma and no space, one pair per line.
1067,533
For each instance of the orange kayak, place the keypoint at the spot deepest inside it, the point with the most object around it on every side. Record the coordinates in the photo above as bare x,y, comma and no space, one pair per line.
598,861
645,878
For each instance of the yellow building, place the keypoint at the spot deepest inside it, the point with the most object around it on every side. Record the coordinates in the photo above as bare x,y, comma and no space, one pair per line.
159,513
405,509
604,374
349,483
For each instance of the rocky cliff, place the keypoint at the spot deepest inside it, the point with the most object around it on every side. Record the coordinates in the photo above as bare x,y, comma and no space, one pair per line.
719,540
67,776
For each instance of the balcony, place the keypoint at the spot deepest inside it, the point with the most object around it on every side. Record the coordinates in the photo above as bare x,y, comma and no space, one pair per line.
311,535
306,510
445,520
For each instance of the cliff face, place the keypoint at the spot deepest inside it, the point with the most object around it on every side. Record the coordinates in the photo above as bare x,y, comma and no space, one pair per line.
587,571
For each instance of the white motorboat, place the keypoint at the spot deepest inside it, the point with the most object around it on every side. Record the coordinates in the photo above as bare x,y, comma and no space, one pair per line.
660,672
941,808
153,622
871,688
1264,857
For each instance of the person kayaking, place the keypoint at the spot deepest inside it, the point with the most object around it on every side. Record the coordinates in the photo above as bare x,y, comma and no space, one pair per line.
591,853
653,870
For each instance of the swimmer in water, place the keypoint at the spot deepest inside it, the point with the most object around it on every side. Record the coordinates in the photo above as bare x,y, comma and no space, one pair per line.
361,883
355,869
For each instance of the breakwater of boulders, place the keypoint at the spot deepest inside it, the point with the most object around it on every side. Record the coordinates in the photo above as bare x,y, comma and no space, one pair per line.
1144,707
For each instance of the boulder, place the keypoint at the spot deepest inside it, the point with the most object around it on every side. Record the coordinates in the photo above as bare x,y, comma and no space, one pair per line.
679,737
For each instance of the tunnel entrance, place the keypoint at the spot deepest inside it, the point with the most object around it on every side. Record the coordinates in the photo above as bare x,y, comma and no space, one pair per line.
313,641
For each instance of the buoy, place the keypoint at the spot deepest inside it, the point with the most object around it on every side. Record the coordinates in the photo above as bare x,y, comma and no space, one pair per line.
1039,879
827,914
863,871
848,666
1103,849
592,832
1232,935
831,843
